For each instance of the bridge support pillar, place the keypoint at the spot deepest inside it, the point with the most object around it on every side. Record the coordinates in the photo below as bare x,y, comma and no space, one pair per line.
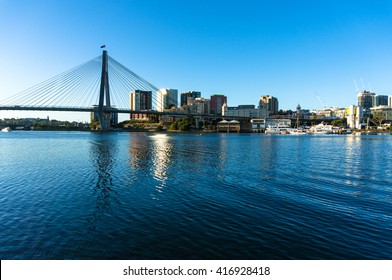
104,96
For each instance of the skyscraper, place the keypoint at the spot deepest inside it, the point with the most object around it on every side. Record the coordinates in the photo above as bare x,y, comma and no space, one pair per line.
217,101
380,100
366,99
189,94
141,100
166,98
269,103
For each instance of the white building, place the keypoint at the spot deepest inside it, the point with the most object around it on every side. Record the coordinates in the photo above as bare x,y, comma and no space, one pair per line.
165,98
249,111
331,112
201,106
354,115
382,112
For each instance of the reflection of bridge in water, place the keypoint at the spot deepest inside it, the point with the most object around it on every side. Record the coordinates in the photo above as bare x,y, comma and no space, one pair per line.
76,91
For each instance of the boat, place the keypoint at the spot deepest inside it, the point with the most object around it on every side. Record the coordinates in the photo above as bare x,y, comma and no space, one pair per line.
298,131
321,128
278,129
6,129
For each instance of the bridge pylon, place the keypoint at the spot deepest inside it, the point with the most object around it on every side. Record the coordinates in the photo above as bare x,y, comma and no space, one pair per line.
104,96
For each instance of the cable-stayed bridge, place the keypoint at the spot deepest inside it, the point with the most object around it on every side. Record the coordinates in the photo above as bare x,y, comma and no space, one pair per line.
100,85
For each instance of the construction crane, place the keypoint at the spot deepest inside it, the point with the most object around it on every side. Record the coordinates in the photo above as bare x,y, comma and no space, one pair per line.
321,102
356,86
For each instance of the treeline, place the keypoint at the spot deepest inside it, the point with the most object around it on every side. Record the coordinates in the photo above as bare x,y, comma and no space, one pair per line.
184,124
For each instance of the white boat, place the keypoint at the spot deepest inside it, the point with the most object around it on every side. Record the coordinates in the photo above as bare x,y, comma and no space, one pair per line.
321,129
298,131
6,129
278,129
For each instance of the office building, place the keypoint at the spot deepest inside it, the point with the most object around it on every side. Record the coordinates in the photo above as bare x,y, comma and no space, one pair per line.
217,101
269,103
201,106
249,111
380,100
189,94
140,101
366,99
166,98
382,113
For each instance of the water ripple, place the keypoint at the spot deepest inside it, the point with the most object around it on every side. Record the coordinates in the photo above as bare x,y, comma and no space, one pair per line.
183,196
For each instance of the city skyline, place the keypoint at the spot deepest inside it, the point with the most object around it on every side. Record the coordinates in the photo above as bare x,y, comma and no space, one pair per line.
292,51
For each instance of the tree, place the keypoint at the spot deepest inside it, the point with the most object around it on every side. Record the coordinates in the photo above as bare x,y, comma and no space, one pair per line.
379,118
170,106
183,124
94,124
340,122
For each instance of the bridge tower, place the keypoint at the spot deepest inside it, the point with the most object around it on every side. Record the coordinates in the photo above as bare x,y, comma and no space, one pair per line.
104,96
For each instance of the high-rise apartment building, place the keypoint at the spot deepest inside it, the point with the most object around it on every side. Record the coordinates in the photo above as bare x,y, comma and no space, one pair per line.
269,103
217,101
201,106
189,94
380,100
366,99
166,98
141,100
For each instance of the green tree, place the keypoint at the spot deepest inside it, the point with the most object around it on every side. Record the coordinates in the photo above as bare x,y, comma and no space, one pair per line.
340,122
184,124
378,118
94,124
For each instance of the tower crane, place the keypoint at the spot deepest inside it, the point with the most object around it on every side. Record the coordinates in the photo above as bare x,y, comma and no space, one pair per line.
321,102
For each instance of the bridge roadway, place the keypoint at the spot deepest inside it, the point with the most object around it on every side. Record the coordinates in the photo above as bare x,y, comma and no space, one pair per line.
113,110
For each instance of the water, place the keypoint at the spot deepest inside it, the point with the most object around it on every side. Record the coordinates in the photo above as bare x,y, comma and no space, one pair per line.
81,195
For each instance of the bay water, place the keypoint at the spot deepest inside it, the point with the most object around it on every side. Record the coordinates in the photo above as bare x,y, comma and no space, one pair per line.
85,195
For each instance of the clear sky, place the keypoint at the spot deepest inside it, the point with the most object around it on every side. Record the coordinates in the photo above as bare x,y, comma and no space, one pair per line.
293,50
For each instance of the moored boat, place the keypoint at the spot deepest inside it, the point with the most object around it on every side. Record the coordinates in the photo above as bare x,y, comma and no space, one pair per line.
278,129
6,129
298,131
321,128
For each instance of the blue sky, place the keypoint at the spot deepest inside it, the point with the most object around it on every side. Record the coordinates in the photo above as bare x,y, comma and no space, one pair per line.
293,50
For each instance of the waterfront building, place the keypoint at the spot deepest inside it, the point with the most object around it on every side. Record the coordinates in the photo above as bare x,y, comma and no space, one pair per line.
331,112
166,98
140,101
258,125
382,113
189,94
228,126
217,101
354,116
249,111
390,100
269,103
